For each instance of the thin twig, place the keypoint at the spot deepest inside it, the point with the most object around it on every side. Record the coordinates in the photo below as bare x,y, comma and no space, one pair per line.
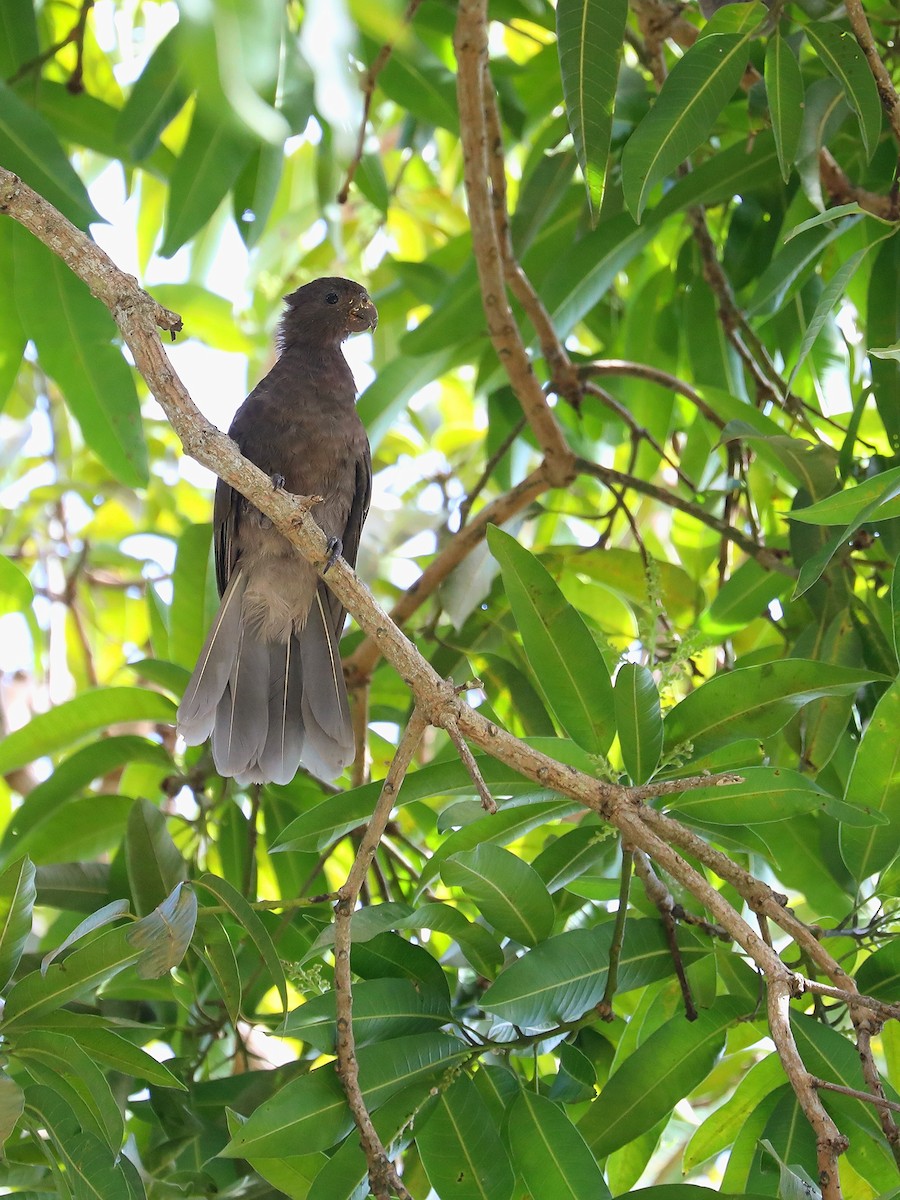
880,1101
618,937
382,1175
659,894
448,722
765,556
368,90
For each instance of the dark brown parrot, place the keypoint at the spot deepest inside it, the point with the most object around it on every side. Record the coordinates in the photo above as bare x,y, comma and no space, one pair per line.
269,686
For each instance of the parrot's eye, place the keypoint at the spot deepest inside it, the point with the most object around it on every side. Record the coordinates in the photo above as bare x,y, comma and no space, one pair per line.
331,298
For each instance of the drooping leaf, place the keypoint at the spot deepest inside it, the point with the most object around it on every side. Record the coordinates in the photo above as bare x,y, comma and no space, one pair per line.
244,914
839,52
461,1148
875,783
208,166
84,970
638,721
76,343
155,866
589,36
550,1153
103,916
696,90
648,1084
784,91
563,655
17,897
158,95
29,147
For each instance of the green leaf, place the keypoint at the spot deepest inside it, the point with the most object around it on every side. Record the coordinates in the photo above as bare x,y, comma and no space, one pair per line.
461,1149
16,593
576,1078
791,265
743,598
155,866
194,595
638,721
816,564
85,120
878,496
418,81
345,1175
874,783
76,772
17,897
221,961
509,893
840,54
12,1105
103,916
589,40
831,1055
784,90
883,329
292,1174
245,916
255,192
478,945
59,1062
563,655
75,338
29,147
120,1055
767,794
18,36
382,1009
755,701
549,1152
832,295
80,828
650,1081
562,978
721,1127
209,164
163,936
94,709
692,98
158,95
879,974
576,285
311,1111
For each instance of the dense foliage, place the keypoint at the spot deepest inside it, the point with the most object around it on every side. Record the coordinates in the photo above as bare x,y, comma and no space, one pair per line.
703,488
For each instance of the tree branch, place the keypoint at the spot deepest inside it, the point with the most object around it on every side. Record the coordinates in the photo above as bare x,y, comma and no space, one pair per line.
470,42
382,1175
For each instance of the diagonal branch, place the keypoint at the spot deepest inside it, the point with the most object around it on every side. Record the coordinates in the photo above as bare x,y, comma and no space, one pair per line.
436,699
